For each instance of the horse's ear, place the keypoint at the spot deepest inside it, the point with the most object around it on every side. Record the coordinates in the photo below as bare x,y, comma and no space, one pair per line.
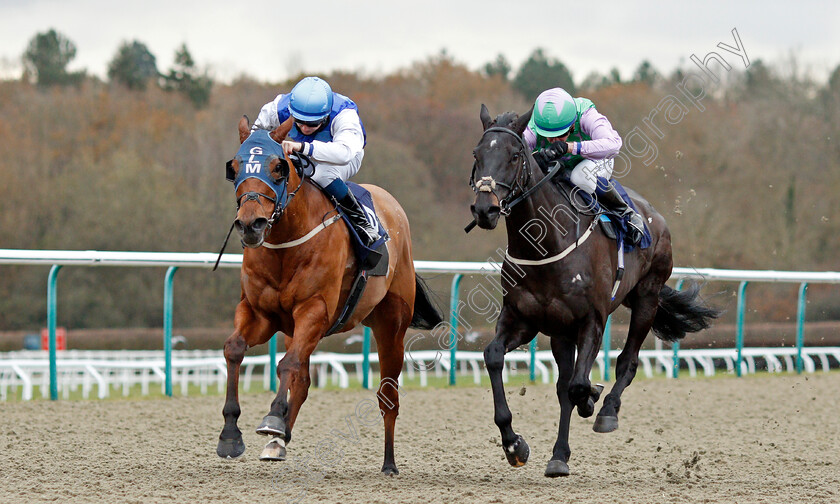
244,129
279,133
485,116
521,122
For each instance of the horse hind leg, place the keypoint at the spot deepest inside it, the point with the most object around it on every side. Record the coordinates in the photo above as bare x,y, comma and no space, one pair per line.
641,320
389,325
582,392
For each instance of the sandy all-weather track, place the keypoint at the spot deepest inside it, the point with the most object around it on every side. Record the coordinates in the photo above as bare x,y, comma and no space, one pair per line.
754,439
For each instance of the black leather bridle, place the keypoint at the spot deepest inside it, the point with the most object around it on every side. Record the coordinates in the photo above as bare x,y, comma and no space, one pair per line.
518,190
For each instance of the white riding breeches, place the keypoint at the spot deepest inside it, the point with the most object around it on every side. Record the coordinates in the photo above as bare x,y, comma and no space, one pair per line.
326,173
585,174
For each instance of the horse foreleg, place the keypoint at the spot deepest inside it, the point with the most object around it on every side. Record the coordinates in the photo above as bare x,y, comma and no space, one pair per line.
581,391
251,329
510,333
231,444
564,354
641,320
298,392
310,320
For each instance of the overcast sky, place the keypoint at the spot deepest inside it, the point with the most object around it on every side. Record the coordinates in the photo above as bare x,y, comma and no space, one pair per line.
268,40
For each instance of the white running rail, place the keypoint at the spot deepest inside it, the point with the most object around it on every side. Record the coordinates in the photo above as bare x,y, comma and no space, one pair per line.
118,371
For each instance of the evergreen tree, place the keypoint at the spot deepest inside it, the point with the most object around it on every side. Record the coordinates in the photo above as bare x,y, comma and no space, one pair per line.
645,73
500,66
46,59
133,65
539,73
185,78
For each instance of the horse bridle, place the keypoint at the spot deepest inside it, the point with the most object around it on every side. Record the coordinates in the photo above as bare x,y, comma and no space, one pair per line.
518,192
280,203
488,184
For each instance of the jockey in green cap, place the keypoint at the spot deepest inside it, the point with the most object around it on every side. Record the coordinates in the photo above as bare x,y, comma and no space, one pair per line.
571,130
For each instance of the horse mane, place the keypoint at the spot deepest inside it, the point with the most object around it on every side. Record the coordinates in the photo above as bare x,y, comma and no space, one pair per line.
505,120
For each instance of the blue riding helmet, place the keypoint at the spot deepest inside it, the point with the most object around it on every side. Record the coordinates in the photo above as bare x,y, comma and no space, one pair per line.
311,100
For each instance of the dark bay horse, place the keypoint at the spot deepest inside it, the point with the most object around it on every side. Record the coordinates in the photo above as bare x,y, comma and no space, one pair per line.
562,286
300,284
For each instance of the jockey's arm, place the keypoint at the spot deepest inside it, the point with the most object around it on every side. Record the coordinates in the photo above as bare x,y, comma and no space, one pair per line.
605,141
348,140
267,118
530,138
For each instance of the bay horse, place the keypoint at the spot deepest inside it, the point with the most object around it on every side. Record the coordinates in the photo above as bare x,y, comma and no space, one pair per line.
299,285
569,294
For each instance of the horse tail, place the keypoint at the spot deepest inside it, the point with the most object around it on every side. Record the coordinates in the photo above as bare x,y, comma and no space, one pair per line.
426,314
681,312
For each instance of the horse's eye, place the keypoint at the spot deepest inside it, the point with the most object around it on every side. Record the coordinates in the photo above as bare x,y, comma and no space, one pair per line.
515,156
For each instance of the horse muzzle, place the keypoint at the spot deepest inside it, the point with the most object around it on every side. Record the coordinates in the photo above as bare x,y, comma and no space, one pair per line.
252,234
486,210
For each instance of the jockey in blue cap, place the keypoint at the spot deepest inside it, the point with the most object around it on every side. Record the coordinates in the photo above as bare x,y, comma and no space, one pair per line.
328,129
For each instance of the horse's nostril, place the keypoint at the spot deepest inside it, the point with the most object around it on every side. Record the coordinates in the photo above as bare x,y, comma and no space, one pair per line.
238,225
259,225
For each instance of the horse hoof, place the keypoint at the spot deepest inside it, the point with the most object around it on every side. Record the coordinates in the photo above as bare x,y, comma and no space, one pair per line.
517,454
272,426
230,448
390,471
275,450
605,424
586,410
556,468
595,391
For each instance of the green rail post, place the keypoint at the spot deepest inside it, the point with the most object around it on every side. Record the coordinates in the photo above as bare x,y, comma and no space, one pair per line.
800,326
366,359
607,344
168,283
52,283
272,363
675,368
453,327
533,367
739,326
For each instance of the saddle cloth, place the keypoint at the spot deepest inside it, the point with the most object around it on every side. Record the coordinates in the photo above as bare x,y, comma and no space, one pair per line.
620,225
361,251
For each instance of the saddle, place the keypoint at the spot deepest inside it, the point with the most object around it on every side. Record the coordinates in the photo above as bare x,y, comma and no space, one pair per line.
614,226
362,252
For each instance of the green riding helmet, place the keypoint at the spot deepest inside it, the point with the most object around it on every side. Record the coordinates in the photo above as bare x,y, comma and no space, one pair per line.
554,113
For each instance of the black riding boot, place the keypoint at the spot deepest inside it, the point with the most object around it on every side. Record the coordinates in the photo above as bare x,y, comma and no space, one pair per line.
613,200
366,232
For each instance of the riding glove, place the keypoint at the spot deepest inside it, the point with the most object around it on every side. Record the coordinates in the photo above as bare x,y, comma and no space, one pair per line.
554,151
